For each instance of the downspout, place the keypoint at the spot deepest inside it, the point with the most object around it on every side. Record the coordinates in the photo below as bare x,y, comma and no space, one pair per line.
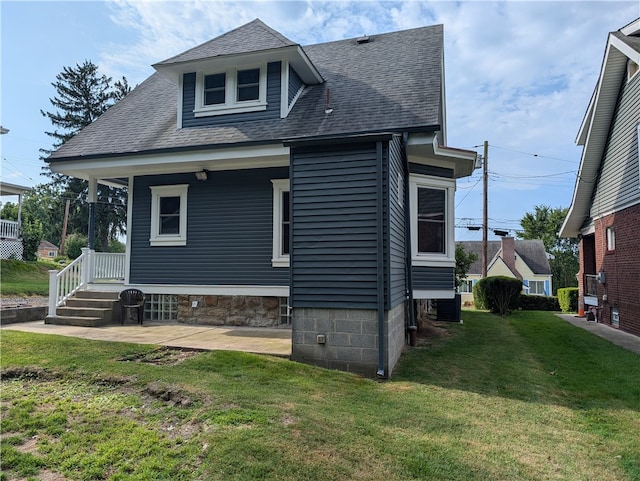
380,255
413,328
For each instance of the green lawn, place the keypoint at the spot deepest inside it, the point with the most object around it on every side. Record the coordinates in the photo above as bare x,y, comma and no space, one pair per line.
18,278
529,397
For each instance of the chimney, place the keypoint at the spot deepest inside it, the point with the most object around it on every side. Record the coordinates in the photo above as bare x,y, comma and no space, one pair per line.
509,255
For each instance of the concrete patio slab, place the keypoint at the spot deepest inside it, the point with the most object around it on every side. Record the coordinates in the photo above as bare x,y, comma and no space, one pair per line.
259,340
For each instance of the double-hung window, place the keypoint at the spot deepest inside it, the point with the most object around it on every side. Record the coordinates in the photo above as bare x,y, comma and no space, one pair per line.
536,288
432,226
281,223
168,215
231,91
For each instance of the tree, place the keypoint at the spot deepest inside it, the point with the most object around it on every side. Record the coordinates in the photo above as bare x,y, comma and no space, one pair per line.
464,260
544,224
82,96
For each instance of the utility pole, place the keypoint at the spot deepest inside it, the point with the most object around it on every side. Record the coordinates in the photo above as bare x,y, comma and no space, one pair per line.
485,227
64,226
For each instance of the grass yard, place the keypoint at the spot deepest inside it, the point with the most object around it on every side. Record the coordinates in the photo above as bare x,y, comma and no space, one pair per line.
20,278
529,397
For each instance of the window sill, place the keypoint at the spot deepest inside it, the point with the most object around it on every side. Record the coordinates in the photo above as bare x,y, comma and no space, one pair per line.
435,261
234,109
167,242
279,262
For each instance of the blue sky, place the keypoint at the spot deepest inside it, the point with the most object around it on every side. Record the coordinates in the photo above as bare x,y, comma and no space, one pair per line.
518,74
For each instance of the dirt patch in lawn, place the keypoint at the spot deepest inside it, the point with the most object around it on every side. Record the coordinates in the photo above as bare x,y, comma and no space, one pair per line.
164,356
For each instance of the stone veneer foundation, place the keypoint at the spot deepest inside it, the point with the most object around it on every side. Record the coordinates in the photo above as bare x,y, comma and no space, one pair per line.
350,338
253,311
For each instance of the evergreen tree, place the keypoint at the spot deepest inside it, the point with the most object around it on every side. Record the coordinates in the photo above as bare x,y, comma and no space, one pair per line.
82,95
544,224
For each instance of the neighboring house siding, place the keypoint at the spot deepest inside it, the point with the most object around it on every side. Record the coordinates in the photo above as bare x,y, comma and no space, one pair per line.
273,101
396,211
431,170
334,227
295,84
433,278
619,183
229,231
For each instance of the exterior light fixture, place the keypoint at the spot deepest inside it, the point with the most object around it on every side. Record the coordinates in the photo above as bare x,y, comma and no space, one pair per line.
202,175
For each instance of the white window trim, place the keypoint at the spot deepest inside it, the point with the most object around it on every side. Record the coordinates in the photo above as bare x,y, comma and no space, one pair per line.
279,186
157,192
611,238
425,259
231,105
537,281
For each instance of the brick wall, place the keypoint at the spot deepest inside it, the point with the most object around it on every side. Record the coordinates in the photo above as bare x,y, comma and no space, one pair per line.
621,266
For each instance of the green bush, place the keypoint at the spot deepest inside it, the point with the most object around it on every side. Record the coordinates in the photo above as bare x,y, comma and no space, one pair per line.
538,303
74,245
568,299
499,294
31,236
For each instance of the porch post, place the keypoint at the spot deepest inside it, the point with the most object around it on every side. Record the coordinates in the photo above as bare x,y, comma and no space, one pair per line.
19,215
93,196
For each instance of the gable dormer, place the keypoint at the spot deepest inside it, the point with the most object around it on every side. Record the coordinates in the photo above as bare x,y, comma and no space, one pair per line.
250,73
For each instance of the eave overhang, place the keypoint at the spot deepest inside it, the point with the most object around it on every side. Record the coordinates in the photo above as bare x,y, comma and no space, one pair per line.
12,189
425,149
294,55
594,130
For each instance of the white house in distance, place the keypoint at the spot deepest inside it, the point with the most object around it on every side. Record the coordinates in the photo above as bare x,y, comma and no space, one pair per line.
526,260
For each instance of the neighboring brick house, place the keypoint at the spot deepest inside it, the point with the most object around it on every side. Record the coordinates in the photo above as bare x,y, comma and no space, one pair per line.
605,210
526,260
272,178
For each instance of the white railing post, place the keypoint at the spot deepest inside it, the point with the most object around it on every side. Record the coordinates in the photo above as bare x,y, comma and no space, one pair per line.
53,292
84,272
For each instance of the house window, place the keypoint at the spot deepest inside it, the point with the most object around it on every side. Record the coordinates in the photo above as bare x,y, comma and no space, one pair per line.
161,307
432,221
611,239
232,91
214,91
285,310
168,215
281,223
536,288
51,254
466,287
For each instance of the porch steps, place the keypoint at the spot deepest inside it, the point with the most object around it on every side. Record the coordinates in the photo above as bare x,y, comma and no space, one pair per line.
88,309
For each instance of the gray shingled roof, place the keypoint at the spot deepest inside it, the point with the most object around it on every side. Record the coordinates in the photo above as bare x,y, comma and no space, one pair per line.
392,83
252,37
532,253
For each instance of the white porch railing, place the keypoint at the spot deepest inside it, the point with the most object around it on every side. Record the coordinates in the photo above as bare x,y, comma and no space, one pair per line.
84,270
9,229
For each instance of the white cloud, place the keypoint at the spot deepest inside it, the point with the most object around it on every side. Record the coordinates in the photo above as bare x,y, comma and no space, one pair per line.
518,74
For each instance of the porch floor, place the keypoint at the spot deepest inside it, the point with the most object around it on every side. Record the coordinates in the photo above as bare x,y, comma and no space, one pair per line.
259,340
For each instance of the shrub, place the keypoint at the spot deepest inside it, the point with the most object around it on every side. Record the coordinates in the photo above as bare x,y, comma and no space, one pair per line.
499,294
539,303
568,299
74,245
31,236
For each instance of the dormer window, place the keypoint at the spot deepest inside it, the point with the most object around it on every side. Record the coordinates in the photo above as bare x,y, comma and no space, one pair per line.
232,91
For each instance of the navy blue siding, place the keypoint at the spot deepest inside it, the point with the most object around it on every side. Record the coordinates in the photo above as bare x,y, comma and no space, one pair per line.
229,231
334,226
431,170
273,102
431,278
295,84
396,225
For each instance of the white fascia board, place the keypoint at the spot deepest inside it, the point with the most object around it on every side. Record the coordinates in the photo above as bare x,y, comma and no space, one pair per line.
629,52
632,29
293,54
221,290
238,158
424,149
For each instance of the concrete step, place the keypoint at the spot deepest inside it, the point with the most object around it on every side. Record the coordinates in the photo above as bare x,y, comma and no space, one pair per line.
86,302
107,315
75,321
96,295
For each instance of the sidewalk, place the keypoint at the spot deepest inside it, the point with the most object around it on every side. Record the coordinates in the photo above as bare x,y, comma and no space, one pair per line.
259,340
616,336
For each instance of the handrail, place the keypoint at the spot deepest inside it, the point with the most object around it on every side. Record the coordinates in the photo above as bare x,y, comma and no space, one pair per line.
87,268
63,284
